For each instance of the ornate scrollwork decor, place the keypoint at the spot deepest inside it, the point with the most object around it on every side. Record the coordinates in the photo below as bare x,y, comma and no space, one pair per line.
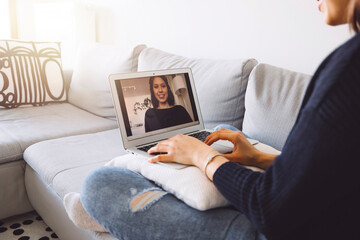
30,74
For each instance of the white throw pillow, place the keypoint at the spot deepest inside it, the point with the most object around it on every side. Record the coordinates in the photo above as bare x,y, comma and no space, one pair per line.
220,84
188,184
272,101
30,73
89,88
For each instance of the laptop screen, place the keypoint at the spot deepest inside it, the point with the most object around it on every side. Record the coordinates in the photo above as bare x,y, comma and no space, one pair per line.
157,104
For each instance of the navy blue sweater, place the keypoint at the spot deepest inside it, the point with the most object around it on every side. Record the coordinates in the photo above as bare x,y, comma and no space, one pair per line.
312,190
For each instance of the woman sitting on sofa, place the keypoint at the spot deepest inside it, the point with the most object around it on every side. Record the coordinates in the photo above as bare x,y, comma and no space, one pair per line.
310,191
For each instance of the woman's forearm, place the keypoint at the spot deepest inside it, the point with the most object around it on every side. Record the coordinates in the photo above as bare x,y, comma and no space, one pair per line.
264,160
214,165
261,160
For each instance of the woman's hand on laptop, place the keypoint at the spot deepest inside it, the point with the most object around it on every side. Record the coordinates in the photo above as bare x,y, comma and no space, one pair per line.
182,149
191,151
244,152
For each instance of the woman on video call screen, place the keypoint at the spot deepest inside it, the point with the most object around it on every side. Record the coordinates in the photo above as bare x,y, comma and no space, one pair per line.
164,113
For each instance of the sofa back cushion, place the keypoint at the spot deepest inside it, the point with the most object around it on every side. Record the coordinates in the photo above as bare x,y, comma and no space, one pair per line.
220,84
272,102
89,88
30,74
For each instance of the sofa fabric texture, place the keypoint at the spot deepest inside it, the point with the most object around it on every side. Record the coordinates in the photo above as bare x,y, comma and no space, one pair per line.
58,160
89,88
22,127
13,195
31,73
220,84
272,102
48,204
48,179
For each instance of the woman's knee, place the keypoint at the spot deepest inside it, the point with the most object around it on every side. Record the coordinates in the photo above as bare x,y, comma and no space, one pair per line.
227,126
106,179
101,188
108,184
94,185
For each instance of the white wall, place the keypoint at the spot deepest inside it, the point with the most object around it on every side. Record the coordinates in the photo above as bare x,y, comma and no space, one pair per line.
62,21
285,33
4,19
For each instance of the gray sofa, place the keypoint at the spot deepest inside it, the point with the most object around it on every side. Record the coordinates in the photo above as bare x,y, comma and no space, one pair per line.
47,151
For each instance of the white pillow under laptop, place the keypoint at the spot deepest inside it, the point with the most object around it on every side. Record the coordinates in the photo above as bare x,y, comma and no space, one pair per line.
155,105
189,185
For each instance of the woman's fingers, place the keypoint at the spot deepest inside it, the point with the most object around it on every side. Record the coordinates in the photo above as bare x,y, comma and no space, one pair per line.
231,156
222,134
160,147
160,158
213,137
181,149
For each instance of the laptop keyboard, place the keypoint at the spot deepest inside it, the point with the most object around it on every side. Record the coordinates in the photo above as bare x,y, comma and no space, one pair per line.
146,148
199,135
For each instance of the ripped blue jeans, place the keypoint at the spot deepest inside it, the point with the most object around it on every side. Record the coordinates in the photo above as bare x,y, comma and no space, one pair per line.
132,207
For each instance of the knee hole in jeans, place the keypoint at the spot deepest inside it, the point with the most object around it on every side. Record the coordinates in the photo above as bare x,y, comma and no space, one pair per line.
145,199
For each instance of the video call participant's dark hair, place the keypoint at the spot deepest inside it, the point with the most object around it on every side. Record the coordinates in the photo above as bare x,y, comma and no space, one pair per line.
355,16
154,100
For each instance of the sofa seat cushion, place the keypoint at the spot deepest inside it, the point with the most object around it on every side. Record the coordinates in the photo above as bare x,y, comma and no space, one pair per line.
63,163
22,127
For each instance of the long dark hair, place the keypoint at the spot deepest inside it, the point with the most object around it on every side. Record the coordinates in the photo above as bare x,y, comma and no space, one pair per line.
355,17
154,100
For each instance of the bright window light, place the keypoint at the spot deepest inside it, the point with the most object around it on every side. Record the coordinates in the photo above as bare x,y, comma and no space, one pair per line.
55,21
4,20
67,21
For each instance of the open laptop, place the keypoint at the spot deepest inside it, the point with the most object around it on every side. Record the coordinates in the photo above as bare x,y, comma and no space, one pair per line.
139,100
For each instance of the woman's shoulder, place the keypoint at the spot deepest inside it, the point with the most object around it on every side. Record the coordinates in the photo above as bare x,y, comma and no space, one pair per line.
150,112
347,52
179,108
353,43
342,60
340,70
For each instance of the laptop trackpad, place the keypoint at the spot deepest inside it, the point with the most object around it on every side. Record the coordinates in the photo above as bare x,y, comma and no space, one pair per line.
223,146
